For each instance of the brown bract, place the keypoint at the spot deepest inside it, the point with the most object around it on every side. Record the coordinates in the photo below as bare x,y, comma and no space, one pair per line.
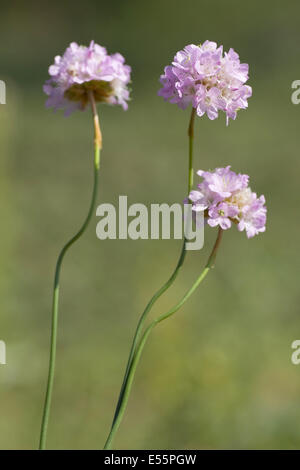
101,89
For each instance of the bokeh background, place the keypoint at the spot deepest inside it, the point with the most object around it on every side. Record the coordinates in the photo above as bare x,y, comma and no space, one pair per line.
219,373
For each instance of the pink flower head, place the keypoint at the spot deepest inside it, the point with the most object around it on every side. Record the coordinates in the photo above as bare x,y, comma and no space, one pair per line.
208,79
226,197
83,68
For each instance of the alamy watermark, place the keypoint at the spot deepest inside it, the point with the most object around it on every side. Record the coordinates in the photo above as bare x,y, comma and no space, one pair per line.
2,92
157,224
2,352
295,357
295,96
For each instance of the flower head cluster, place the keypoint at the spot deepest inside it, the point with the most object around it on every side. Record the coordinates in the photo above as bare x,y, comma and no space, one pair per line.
81,69
208,79
226,198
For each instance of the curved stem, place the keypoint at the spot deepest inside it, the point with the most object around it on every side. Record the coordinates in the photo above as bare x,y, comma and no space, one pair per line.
140,347
53,340
172,278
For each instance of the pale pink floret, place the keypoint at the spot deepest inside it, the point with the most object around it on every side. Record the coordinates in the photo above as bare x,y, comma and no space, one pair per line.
253,218
221,214
223,182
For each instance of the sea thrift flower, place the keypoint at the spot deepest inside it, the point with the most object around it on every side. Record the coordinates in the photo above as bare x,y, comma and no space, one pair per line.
81,69
208,79
226,198
82,76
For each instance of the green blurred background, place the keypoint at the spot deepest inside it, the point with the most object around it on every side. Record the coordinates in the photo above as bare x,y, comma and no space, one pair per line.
219,373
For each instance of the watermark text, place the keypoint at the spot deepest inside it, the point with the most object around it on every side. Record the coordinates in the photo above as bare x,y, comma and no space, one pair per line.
135,222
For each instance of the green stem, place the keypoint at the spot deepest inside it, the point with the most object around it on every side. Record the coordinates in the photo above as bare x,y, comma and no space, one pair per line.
53,340
191,145
140,347
170,281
